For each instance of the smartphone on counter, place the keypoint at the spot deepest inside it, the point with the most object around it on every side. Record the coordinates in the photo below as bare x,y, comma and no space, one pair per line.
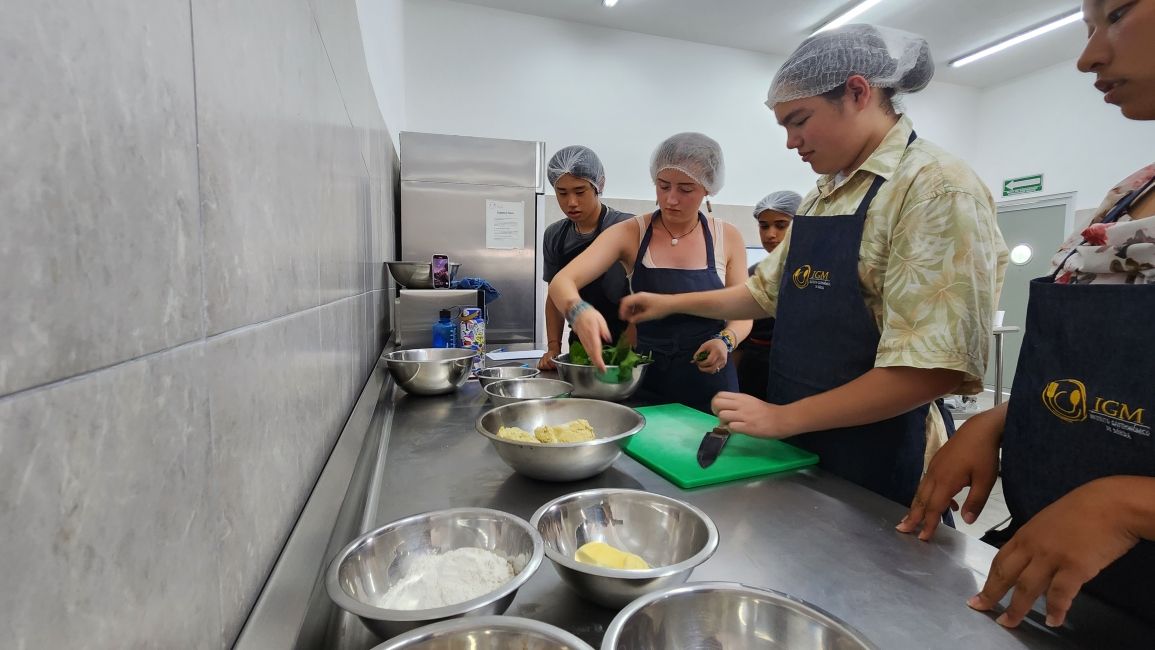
440,271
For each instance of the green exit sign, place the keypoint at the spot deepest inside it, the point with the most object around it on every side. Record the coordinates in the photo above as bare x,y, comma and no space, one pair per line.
1023,185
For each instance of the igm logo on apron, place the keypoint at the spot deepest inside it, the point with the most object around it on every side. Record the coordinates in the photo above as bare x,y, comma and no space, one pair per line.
805,276
1069,400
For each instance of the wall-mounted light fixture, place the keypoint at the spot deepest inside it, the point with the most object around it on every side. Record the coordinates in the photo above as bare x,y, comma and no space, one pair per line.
1021,254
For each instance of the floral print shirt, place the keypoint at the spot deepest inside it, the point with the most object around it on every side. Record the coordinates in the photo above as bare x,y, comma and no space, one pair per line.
930,265
931,262
1122,252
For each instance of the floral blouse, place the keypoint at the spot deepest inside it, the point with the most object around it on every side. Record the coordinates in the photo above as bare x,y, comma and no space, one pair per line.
1111,253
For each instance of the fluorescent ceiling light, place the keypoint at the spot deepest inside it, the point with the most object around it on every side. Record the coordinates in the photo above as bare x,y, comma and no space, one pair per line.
852,13
1021,37
609,3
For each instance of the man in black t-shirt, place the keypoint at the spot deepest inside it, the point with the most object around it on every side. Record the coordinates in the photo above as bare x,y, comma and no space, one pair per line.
578,180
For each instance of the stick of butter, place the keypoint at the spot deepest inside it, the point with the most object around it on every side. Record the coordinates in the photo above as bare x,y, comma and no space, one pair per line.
604,555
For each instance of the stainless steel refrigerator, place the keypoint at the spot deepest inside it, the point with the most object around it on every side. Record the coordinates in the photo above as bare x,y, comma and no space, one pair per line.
477,201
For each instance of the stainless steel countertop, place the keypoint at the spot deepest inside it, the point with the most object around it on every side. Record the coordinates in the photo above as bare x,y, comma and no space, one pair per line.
805,533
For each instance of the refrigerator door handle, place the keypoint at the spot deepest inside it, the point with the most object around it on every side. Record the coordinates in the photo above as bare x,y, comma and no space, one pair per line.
540,172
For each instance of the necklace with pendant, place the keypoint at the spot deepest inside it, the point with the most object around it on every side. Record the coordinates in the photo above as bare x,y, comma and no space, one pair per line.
674,238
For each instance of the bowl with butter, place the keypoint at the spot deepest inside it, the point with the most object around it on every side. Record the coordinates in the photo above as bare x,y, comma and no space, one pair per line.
614,545
560,439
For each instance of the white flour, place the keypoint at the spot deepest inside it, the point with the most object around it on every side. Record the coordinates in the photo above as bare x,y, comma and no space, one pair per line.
448,579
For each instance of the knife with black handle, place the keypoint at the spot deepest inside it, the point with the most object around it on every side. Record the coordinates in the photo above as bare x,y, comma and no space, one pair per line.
712,445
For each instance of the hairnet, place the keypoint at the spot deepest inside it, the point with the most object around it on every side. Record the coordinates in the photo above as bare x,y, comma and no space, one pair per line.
693,154
887,58
578,161
785,201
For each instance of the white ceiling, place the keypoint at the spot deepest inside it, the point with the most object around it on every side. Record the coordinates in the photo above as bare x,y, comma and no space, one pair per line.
953,27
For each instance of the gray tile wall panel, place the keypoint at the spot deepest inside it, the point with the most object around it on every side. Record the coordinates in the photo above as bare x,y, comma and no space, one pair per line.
147,501
266,111
269,390
109,526
99,230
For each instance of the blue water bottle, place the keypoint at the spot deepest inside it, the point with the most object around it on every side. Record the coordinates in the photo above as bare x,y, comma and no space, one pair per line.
444,333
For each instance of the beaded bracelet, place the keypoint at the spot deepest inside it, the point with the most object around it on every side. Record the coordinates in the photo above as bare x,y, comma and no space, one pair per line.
727,337
572,312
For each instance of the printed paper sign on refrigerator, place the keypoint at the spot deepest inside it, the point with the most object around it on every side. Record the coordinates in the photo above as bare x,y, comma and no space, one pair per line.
504,224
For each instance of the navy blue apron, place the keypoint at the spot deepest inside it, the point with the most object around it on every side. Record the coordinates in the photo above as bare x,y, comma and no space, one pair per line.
596,293
825,337
1082,408
673,340
753,355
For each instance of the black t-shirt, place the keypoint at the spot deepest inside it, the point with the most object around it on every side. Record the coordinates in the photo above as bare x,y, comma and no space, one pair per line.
562,243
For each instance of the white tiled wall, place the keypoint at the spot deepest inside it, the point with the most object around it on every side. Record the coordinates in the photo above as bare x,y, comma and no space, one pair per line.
198,198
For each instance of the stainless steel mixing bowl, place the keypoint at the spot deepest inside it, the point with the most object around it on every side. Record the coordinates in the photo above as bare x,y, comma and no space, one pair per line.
672,536
612,423
588,381
430,371
365,569
510,391
728,615
487,633
417,275
487,376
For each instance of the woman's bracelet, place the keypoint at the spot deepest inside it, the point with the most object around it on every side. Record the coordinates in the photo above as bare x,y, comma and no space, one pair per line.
727,337
572,313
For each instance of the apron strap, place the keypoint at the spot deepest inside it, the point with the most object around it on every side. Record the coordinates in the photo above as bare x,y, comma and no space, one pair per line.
864,205
645,245
601,220
1124,204
876,184
558,247
711,262
1121,207
870,194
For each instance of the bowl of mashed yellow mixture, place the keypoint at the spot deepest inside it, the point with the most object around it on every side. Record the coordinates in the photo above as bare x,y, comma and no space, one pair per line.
560,439
613,545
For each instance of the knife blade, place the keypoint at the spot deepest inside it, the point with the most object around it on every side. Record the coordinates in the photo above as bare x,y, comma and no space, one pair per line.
712,444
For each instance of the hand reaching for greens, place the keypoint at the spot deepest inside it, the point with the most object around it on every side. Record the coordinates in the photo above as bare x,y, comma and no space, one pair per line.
621,355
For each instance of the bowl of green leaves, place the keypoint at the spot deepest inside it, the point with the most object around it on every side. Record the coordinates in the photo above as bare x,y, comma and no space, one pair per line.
625,369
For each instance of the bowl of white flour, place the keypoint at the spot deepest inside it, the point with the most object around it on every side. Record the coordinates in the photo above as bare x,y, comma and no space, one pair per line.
434,566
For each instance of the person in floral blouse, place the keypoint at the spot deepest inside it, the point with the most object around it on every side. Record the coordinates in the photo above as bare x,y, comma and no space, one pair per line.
1122,252
1078,456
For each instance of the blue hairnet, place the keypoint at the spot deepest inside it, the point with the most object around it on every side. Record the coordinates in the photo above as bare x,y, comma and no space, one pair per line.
784,201
577,161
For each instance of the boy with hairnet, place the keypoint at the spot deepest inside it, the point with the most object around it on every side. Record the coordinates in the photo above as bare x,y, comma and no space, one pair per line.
884,288
578,179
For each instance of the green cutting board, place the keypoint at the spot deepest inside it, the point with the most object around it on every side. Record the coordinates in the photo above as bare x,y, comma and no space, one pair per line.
669,445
